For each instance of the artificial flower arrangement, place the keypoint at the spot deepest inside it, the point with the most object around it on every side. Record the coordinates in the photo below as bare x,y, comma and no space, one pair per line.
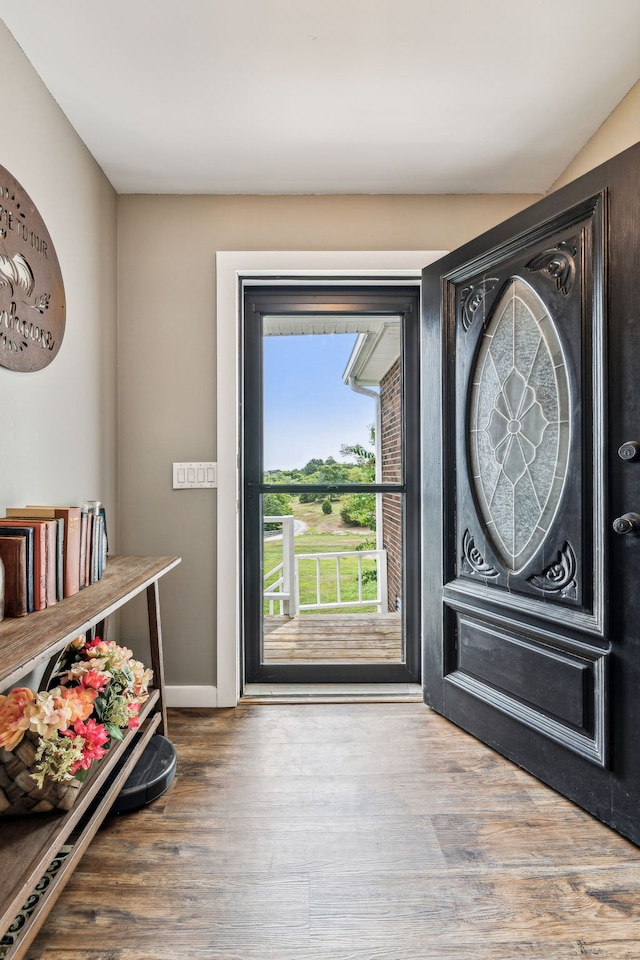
60,732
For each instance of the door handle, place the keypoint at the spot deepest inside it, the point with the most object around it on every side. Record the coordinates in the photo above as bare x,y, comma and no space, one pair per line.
627,525
629,451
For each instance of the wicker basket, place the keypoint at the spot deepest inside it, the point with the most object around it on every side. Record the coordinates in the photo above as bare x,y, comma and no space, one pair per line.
19,793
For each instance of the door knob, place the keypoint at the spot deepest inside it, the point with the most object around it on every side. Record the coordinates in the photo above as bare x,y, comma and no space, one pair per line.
627,525
629,450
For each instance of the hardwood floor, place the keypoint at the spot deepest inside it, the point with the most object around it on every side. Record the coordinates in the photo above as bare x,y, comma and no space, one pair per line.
338,638
347,832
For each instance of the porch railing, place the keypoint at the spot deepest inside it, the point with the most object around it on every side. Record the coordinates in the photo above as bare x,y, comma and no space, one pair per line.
284,591
335,560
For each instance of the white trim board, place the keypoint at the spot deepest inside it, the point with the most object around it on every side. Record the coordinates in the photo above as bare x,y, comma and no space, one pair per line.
190,695
231,268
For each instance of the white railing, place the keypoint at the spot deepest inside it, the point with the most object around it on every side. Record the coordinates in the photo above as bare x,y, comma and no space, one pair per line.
284,591
335,560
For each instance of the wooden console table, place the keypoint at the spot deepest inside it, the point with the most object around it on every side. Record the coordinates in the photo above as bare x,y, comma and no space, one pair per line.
29,844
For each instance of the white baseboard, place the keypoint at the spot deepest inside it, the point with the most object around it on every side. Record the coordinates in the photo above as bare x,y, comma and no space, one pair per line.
191,696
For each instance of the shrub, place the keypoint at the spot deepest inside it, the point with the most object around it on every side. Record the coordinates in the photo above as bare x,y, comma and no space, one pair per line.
326,506
359,510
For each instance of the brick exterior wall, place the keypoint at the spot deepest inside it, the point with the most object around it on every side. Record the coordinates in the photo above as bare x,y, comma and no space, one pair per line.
391,447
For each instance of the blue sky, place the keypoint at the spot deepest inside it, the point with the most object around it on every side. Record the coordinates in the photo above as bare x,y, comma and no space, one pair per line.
308,410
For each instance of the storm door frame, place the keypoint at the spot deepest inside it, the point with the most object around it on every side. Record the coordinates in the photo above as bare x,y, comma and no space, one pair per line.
333,297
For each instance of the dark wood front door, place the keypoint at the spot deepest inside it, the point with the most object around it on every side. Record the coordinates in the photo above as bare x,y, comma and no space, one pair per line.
532,490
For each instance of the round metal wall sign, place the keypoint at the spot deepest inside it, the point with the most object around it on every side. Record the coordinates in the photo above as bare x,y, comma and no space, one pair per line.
32,307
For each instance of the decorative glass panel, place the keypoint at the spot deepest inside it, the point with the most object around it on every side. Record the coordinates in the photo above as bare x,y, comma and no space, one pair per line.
520,425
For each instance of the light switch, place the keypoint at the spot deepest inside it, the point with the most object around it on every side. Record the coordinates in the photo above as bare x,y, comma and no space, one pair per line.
188,476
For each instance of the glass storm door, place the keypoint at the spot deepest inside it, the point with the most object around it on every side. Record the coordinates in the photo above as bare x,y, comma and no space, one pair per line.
532,495
331,491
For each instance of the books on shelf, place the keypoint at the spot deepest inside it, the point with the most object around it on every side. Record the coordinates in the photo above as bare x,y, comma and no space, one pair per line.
57,550
40,545
70,539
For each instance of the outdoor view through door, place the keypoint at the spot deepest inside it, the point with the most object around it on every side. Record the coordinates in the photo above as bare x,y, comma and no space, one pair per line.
327,509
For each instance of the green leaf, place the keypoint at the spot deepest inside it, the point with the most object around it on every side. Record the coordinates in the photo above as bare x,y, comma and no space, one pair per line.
114,732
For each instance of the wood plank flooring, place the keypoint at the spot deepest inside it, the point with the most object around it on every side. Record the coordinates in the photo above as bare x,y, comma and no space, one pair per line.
347,832
343,638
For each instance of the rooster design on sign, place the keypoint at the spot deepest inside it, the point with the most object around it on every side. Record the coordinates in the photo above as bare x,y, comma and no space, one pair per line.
15,272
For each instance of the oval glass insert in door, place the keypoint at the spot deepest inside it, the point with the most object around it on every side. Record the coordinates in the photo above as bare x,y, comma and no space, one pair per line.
520,425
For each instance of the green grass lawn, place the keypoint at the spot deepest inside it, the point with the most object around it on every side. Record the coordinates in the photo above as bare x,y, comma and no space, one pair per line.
339,539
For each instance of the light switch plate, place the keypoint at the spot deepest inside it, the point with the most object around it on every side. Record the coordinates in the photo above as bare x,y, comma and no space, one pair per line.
188,476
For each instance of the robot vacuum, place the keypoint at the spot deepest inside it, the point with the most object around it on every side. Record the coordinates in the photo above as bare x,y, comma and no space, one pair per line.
150,777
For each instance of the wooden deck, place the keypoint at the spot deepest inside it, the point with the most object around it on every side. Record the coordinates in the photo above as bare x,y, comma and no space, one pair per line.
343,638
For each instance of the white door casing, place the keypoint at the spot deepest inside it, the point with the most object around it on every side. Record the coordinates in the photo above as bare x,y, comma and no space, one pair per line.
232,267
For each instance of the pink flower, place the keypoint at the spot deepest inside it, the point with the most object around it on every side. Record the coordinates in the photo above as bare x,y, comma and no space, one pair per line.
77,671
94,679
133,709
94,736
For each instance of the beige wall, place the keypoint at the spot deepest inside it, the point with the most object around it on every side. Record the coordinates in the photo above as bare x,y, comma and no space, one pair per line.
167,248
58,431
620,130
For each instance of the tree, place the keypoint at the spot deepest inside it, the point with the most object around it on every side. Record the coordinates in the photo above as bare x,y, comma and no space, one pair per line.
333,473
364,458
312,466
326,506
276,505
282,476
359,509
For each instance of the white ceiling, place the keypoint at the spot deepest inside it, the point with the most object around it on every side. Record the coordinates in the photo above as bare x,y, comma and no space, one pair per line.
332,96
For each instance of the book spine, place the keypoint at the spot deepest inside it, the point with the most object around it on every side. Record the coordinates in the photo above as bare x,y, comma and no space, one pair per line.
82,553
39,567
51,527
101,545
7,529
13,553
87,555
105,535
60,559
96,548
71,517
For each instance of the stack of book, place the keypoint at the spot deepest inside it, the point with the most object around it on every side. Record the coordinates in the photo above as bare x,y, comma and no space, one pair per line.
49,553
